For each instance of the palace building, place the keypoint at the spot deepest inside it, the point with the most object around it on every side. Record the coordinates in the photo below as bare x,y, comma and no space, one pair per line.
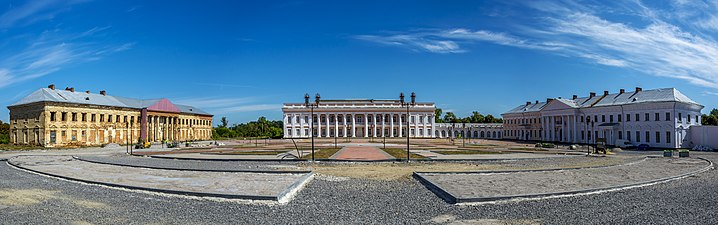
658,118
56,118
376,118
359,118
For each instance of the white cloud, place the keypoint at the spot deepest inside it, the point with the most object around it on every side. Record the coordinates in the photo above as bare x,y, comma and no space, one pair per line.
31,57
660,45
34,11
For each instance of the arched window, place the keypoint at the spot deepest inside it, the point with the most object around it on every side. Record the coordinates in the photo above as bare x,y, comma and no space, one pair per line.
476,134
494,135
482,134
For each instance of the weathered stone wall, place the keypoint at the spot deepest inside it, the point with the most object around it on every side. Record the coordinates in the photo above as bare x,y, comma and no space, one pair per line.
64,125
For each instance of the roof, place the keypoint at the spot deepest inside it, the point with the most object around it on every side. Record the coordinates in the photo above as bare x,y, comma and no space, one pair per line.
64,96
615,99
531,107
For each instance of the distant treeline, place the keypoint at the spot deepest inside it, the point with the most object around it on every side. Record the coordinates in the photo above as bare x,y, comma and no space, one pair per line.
4,133
260,128
475,117
710,119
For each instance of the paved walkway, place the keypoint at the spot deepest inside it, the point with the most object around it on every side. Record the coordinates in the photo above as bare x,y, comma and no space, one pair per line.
478,186
242,185
434,155
361,153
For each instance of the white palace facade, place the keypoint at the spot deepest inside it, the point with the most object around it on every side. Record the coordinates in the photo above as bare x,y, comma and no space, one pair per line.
659,118
376,118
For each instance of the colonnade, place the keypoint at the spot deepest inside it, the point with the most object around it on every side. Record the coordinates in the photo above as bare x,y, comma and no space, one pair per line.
359,125
561,128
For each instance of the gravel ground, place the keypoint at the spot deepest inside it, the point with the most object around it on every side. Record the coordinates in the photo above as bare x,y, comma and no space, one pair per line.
334,200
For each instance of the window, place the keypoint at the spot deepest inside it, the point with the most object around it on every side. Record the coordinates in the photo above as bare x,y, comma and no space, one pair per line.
628,117
595,118
668,116
583,133
619,117
74,117
620,134
109,118
688,117
125,119
638,136
102,118
610,118
298,132
668,137
53,117
658,137
648,137
603,118
64,116
117,119
92,118
657,115
589,136
680,117
648,117
628,135
306,119
289,120
581,119
638,118
84,117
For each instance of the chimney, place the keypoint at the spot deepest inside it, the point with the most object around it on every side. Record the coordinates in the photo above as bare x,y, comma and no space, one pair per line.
103,92
72,89
592,94
528,103
605,92
559,97
574,97
638,89
622,91
51,86
548,100
88,91
536,101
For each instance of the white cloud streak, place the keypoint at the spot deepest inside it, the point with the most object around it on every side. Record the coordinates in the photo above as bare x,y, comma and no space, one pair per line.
660,47
32,55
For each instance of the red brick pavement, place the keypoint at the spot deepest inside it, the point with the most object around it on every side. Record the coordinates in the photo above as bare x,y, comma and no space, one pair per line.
361,153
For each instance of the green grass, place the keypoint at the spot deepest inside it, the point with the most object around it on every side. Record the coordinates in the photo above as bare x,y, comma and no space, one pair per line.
321,153
251,152
11,147
400,153
465,152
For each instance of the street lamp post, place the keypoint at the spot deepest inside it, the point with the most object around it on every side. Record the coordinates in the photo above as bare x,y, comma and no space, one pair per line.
311,125
407,104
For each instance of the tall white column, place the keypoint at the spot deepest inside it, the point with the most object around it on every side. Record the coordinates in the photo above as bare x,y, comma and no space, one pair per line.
354,127
391,123
319,125
366,125
336,125
344,125
374,120
575,133
383,124
401,130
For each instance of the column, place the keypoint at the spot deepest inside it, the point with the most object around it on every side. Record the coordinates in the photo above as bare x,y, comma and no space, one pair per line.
336,125
344,124
575,134
354,127
319,125
401,129
383,124
366,125
374,120
391,125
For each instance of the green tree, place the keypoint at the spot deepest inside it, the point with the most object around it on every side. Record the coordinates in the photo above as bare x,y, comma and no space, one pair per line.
437,115
224,122
4,133
450,118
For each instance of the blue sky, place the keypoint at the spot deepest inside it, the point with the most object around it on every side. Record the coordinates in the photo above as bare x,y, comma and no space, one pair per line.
243,59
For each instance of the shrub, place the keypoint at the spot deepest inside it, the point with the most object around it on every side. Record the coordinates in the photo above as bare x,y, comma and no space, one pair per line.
4,139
